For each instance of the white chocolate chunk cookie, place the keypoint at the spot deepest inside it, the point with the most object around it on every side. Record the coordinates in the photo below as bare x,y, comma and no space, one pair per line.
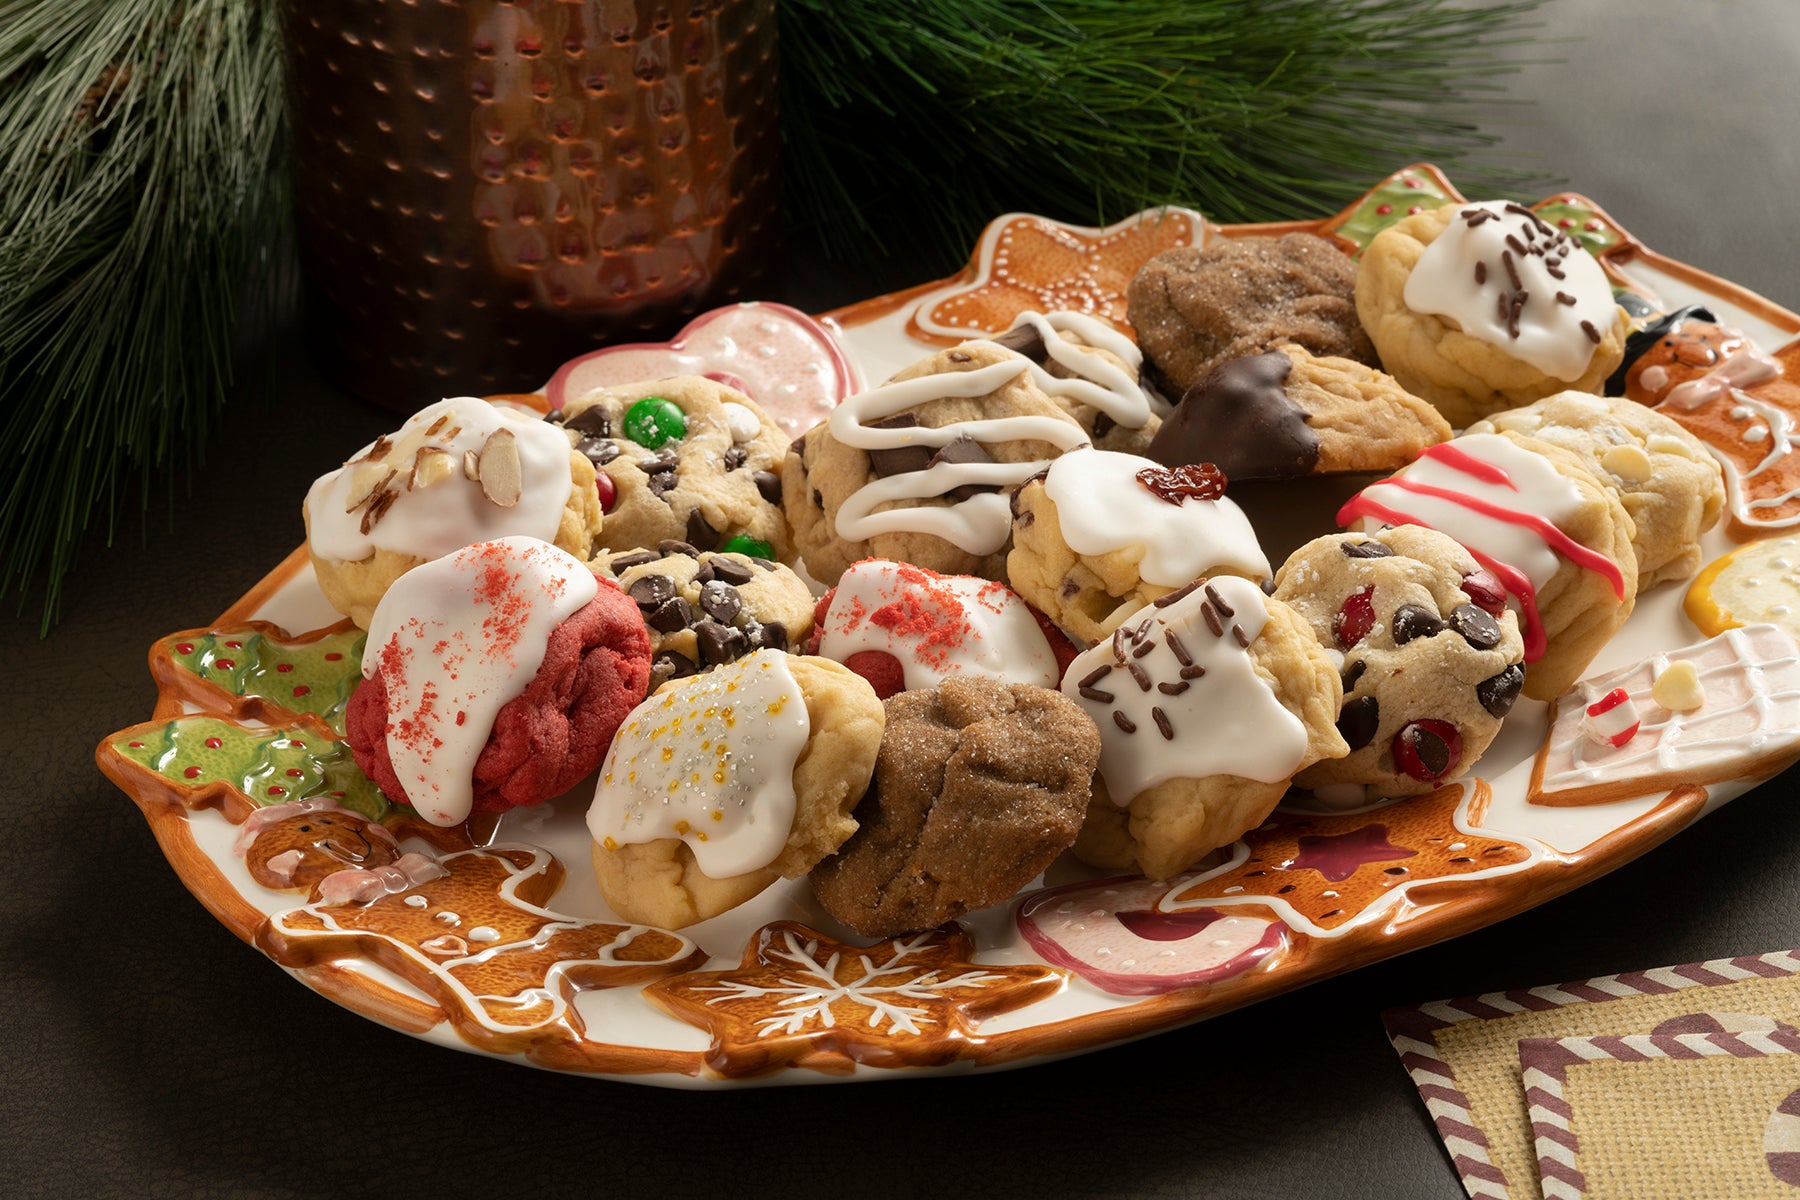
719,785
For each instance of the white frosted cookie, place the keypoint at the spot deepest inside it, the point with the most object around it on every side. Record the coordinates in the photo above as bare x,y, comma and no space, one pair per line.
720,784
1665,477
1484,307
459,472
1207,704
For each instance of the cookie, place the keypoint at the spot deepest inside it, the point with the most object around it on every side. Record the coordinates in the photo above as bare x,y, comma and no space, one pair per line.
1286,413
494,677
686,459
719,785
902,627
1432,658
979,786
459,472
1662,474
1207,705
707,608
1096,370
1484,307
1557,540
1102,534
1195,307
915,470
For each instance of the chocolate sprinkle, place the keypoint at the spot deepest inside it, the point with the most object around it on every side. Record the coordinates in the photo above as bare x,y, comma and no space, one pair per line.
1173,689
1192,671
1169,598
1225,610
1096,675
1123,722
1179,649
1212,620
1162,723
1140,675
1095,694
1593,335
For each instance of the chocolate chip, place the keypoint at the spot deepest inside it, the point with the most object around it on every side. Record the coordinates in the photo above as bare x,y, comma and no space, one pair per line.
1024,339
658,463
660,485
1354,673
599,451
961,449
590,420
897,460
1477,626
728,570
720,601
719,643
1366,549
1497,694
818,500
671,616
769,484
670,546
700,534
769,635
670,665
1432,750
1358,720
650,591
635,558
736,457
1414,621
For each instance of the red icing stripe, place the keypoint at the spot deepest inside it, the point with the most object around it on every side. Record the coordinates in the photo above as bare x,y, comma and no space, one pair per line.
1468,464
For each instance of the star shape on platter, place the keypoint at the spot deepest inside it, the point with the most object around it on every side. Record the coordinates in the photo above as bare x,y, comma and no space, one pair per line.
1030,263
1325,874
800,998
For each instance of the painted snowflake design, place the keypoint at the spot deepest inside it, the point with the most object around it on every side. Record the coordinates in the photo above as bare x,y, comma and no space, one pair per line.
805,999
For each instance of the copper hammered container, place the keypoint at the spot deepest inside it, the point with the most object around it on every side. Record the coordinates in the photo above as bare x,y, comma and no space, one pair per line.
485,189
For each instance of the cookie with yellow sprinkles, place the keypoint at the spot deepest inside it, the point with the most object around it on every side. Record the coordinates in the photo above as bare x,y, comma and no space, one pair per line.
719,785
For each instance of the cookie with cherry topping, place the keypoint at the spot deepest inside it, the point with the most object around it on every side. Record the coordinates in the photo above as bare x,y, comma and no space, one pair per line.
455,473
683,459
1484,307
1287,413
1432,658
979,786
720,784
707,608
1208,703
1102,534
1663,475
1195,307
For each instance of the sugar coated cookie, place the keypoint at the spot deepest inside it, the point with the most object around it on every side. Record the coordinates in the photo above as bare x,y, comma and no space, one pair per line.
1483,307
979,786
1663,475
459,472
1195,307
719,785
1557,539
915,470
1287,413
707,608
494,677
902,627
686,459
1208,705
1102,534
1432,658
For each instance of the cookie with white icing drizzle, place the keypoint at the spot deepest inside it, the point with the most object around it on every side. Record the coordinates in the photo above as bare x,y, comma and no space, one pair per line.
1102,534
719,785
1557,540
1484,307
458,472
1208,703
1098,372
917,468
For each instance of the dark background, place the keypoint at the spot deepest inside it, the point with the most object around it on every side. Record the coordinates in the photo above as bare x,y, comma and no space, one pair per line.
147,1052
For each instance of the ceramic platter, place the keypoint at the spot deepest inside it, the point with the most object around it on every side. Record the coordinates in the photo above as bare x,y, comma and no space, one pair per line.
512,952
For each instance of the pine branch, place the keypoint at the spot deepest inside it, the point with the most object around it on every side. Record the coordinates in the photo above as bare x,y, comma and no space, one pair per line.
931,117
140,198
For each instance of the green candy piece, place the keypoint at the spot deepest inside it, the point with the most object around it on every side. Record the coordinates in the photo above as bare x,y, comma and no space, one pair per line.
313,677
653,420
269,766
745,544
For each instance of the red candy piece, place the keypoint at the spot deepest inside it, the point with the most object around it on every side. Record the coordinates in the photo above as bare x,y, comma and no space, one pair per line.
1427,749
607,490
881,669
1355,617
1195,481
1485,591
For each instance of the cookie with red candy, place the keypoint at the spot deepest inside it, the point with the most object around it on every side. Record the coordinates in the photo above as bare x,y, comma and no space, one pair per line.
904,628
495,677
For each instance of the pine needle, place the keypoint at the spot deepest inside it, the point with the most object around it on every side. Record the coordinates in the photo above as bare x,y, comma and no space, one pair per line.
140,201
919,122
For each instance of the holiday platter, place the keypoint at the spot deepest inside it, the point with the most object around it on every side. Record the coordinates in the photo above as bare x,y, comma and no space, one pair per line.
512,931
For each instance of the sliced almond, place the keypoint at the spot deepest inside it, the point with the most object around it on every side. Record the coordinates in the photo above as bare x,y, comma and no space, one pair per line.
502,476
433,464
366,478
471,464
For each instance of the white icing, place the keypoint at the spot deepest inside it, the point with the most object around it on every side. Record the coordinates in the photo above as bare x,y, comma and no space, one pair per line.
1550,336
999,638
711,762
454,640
358,885
1103,508
1227,721
434,520
1095,382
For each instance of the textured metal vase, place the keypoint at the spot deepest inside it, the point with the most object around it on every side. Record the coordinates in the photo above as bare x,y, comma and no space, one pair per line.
485,189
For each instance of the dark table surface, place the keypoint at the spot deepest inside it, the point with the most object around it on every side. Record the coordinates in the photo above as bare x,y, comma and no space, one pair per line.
148,1052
